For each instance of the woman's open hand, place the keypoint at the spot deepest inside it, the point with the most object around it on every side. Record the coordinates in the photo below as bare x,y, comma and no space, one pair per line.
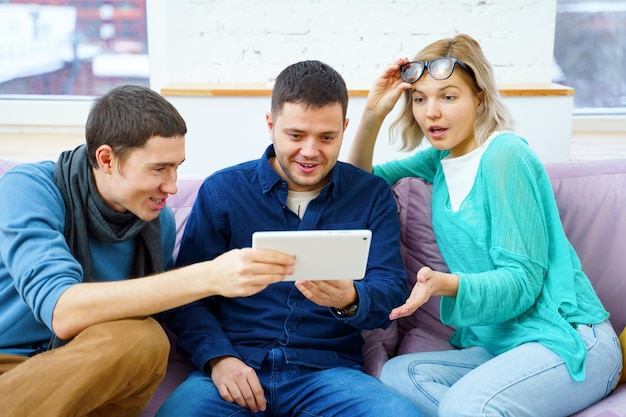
428,283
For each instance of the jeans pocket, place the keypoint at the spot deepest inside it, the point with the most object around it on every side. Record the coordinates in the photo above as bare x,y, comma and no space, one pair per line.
589,335
617,372
603,345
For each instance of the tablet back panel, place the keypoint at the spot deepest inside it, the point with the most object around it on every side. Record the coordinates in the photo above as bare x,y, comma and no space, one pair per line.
320,254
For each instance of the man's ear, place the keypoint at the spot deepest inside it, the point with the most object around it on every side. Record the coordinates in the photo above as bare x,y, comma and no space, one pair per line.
269,121
270,125
104,158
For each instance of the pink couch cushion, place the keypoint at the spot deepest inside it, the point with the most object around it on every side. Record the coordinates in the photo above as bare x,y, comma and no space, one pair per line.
422,331
181,204
612,406
591,196
5,165
378,346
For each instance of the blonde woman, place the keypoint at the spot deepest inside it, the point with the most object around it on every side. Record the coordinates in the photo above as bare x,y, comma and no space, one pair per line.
532,338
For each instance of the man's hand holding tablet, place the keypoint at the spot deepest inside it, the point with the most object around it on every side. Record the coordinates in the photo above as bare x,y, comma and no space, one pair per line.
320,254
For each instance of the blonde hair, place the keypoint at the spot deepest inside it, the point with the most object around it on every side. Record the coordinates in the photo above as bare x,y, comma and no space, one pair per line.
492,115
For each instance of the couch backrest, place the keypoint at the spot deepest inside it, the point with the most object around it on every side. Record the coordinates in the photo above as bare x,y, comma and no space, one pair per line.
591,197
5,165
181,204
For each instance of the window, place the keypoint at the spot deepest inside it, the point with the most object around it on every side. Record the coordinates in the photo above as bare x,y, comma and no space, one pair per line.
590,54
72,47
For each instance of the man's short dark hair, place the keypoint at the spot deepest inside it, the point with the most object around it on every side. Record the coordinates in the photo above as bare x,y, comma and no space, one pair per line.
126,117
312,83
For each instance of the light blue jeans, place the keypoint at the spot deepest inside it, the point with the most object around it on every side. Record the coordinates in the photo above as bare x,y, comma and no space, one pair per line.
529,380
294,391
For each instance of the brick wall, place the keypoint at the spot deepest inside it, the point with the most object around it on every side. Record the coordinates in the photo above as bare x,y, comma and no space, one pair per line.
249,41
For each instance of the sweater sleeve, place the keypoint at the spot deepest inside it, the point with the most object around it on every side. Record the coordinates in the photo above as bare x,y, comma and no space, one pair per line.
422,164
32,244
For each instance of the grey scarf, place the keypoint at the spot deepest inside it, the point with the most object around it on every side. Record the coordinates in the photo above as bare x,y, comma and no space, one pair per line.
86,214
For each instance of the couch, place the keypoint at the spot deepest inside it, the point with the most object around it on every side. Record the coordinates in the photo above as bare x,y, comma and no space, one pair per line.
591,196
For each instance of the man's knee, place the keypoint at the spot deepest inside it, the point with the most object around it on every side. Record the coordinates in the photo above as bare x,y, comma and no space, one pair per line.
137,342
148,339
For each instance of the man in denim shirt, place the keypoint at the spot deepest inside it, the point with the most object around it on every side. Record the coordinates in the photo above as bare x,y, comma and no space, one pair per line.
293,348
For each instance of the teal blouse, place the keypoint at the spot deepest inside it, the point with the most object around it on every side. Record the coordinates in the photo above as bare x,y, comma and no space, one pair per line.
520,279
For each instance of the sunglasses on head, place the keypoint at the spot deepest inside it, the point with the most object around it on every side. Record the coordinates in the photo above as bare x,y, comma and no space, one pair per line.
439,69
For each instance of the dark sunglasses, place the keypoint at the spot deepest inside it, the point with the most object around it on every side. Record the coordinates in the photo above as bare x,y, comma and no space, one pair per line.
439,69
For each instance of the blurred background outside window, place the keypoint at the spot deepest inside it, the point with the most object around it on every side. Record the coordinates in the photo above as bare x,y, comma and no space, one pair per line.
590,54
72,47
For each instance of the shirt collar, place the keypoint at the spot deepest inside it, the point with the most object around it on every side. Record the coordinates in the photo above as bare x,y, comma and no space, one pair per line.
268,178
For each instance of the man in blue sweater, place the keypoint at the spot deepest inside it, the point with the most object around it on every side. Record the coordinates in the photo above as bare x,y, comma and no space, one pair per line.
75,335
293,348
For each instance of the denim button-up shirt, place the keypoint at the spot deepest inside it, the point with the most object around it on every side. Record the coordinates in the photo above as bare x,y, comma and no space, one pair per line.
234,203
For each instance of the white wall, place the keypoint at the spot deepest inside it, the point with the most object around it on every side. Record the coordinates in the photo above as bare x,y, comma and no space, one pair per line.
249,41
223,131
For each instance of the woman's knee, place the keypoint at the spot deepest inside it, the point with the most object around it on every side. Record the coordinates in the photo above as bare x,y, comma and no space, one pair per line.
392,371
452,406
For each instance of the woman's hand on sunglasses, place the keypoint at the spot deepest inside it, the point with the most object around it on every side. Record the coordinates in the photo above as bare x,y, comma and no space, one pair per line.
387,89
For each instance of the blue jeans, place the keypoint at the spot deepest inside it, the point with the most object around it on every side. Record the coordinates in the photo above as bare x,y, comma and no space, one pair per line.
529,380
294,390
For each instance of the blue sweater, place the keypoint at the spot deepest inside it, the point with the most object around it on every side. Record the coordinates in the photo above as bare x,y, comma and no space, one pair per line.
237,201
520,279
36,265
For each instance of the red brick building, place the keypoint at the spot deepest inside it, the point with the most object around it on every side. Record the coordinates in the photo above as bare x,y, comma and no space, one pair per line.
128,18
110,48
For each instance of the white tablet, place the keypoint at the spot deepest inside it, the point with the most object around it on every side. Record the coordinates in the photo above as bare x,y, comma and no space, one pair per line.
320,254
